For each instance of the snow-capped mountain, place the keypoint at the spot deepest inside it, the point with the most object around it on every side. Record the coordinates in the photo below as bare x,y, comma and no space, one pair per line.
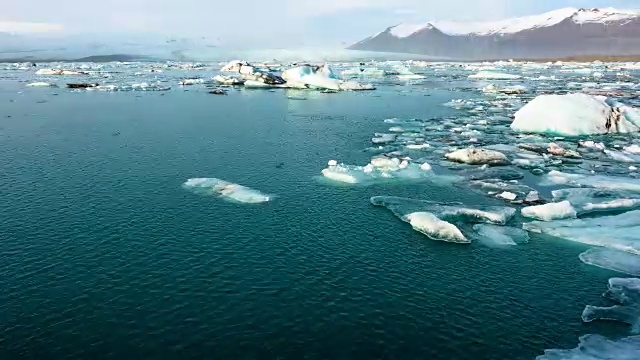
559,33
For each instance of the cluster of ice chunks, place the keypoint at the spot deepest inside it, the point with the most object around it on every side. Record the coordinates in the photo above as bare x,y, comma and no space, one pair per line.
443,222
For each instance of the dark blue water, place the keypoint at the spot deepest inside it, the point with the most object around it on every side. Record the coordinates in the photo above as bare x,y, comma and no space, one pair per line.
105,256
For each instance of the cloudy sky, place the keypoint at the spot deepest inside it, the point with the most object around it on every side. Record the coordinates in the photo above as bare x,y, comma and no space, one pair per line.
268,22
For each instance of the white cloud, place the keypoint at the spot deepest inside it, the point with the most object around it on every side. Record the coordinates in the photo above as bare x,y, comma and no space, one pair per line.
29,27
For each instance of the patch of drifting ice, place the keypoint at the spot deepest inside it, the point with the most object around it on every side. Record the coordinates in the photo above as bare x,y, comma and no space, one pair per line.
621,157
633,149
379,169
477,156
625,292
555,177
226,190
492,235
596,347
494,76
40,84
574,115
614,260
550,211
619,232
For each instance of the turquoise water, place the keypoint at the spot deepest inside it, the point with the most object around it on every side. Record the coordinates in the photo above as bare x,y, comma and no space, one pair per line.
105,255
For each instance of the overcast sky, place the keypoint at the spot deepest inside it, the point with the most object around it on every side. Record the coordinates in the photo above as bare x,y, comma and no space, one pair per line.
268,22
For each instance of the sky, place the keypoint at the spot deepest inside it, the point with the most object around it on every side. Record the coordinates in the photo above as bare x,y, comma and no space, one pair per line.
270,23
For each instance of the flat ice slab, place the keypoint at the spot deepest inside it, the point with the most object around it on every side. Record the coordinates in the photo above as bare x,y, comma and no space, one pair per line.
226,190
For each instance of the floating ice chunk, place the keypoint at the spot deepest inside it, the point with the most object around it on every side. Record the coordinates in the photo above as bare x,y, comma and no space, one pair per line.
226,190
436,229
507,196
59,72
575,114
227,80
632,149
332,163
380,169
619,232
426,167
615,260
510,90
494,76
450,212
596,347
621,157
477,156
627,293
596,181
40,84
493,235
191,82
592,145
550,211
418,146
384,138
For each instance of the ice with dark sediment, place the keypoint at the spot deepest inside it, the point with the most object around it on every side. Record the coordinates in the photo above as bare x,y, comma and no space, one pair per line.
597,347
625,292
226,190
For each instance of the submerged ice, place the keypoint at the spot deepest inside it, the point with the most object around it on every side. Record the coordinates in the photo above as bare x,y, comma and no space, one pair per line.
226,190
597,347
625,292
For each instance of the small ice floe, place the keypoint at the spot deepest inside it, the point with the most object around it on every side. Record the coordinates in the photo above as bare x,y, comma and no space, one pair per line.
59,72
227,80
510,90
493,235
478,156
187,82
384,138
587,201
490,75
550,211
574,115
40,84
555,177
226,190
592,145
622,157
632,149
597,347
509,196
618,232
442,221
626,292
614,260
379,169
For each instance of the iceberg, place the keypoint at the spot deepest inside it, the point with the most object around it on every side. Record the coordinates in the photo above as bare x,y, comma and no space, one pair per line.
626,292
574,115
618,232
226,190
436,229
477,156
550,211
320,77
597,347
614,260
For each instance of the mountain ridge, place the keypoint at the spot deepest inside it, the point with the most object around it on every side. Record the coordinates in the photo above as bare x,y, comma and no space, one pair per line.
564,32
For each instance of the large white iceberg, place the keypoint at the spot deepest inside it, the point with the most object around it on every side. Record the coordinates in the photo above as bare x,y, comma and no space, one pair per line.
226,190
574,115
320,77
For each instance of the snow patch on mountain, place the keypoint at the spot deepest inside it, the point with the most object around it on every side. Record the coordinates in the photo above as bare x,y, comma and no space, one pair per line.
515,25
